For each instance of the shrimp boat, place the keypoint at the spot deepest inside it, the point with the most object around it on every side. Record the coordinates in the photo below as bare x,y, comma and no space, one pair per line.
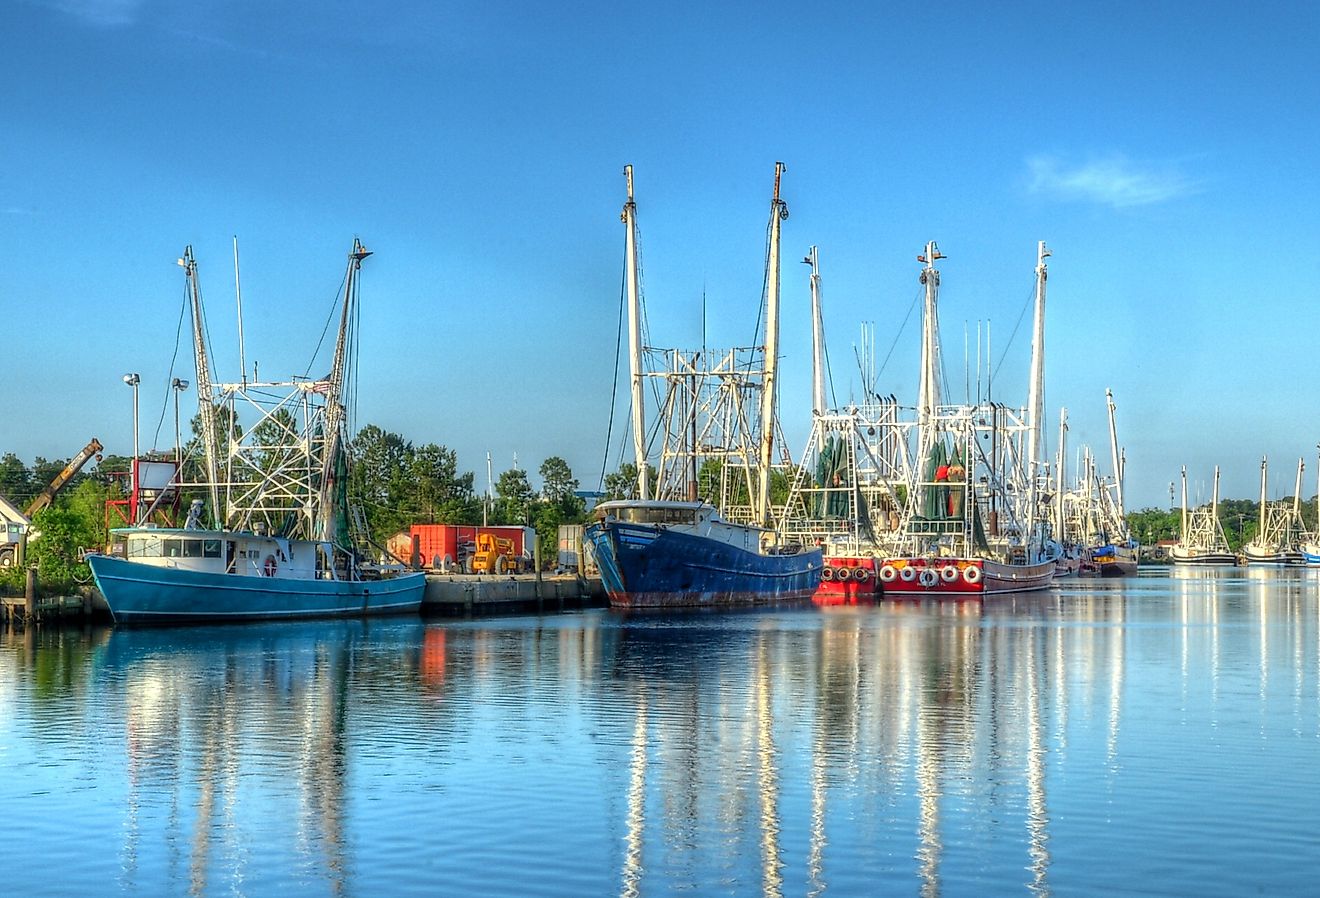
1094,513
1201,537
276,543
674,549
845,493
1280,532
973,525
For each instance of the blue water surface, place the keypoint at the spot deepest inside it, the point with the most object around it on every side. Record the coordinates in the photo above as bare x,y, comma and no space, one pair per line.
1155,736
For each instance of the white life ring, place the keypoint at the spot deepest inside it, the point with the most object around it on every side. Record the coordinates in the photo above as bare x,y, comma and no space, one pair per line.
929,578
908,574
972,574
888,573
842,574
949,573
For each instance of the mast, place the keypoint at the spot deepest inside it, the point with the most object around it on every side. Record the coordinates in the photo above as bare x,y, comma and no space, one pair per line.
633,280
205,400
1061,480
1264,465
1183,534
817,337
1297,495
1113,453
335,411
778,212
1214,506
928,391
1036,398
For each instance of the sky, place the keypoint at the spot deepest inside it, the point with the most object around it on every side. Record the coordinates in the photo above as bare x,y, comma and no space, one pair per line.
1167,154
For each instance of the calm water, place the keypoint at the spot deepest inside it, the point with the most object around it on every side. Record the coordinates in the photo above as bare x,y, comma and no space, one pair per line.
1159,736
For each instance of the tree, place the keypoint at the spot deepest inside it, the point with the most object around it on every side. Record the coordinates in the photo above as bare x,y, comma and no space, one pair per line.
513,497
559,489
622,484
378,478
15,480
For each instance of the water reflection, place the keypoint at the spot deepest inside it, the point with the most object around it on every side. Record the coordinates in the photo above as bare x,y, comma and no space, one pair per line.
940,748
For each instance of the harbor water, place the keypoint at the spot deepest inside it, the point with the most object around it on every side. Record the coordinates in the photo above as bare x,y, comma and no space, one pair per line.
1154,736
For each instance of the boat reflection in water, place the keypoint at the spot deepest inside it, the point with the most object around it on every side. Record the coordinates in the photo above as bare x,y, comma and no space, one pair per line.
940,748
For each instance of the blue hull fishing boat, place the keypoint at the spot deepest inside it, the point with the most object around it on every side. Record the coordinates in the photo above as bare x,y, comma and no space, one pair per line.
659,554
276,543
670,552
141,593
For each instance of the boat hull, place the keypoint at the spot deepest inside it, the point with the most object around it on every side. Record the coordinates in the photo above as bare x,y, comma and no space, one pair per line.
961,578
1113,561
1278,558
1201,557
848,580
649,566
147,594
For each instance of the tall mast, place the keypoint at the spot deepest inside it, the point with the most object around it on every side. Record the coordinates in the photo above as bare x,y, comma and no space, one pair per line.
205,400
1264,465
633,280
928,391
1060,479
335,411
1183,532
1297,493
1214,503
1036,399
817,337
778,212
1113,453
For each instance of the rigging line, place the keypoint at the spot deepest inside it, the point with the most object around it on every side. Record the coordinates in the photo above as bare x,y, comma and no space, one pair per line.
169,384
1004,354
614,392
330,318
899,333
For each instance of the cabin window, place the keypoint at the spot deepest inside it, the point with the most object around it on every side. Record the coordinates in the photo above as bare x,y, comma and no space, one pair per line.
210,548
192,548
173,547
143,548
657,515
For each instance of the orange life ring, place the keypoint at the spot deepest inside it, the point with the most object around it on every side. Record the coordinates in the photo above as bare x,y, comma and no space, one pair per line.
270,566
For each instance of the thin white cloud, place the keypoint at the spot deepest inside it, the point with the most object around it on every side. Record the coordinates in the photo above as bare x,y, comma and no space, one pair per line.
1116,181
103,13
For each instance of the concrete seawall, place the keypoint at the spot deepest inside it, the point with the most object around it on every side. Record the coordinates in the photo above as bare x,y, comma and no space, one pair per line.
484,594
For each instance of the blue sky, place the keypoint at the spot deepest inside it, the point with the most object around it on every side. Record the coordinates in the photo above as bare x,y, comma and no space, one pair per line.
1167,153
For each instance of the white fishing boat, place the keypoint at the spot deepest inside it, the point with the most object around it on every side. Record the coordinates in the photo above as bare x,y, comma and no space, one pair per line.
1201,535
973,524
1280,532
273,541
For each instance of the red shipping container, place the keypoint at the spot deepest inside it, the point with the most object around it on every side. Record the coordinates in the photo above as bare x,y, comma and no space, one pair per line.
438,543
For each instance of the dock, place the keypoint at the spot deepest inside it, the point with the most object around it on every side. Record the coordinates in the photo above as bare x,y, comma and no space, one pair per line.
476,594
446,595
